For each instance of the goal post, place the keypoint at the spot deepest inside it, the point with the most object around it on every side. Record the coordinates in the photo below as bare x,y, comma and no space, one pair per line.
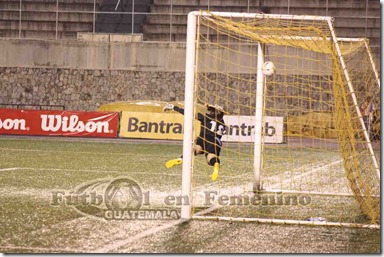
298,143
188,116
259,114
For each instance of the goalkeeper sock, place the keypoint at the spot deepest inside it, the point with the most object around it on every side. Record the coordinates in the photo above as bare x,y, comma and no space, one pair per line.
216,169
214,160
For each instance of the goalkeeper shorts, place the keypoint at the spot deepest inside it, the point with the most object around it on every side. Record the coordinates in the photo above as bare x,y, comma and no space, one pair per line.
210,145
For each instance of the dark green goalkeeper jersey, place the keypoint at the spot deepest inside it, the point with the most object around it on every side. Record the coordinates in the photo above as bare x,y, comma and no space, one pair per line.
212,128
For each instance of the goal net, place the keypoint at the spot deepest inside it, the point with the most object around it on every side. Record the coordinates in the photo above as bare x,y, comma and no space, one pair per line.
298,146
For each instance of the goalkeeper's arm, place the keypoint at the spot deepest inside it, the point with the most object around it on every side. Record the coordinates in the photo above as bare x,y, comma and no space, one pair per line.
178,109
171,107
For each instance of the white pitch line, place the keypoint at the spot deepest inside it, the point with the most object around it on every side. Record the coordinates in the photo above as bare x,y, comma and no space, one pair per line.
54,169
286,181
41,249
140,235
9,169
143,234
313,170
86,152
86,170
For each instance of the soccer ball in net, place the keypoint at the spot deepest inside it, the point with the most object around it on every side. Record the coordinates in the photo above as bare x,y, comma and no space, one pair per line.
268,68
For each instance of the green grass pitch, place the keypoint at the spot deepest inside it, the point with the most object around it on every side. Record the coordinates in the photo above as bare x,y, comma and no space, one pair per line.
32,168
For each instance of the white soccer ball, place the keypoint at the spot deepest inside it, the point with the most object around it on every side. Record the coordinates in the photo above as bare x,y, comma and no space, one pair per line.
268,68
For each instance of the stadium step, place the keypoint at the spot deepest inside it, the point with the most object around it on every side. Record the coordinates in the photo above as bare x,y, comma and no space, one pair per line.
46,26
271,3
46,16
186,9
49,5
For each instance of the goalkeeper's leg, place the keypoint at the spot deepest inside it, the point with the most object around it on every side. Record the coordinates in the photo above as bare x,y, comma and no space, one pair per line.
177,161
213,150
214,161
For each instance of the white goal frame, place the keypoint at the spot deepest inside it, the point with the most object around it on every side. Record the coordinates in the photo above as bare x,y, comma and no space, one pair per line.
189,110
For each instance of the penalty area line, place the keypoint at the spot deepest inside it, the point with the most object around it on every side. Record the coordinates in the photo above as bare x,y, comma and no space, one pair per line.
141,235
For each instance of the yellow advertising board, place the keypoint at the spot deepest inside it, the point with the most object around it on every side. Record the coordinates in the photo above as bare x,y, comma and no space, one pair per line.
152,125
143,106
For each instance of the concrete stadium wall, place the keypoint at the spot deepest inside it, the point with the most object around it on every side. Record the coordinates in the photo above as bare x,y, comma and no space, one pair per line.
139,56
130,56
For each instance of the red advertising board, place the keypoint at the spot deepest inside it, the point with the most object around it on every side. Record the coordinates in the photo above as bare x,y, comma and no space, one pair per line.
58,123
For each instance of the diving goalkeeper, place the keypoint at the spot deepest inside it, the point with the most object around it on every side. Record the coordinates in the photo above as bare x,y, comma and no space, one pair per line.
209,141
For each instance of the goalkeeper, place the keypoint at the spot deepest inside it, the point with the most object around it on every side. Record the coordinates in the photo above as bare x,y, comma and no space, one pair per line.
209,141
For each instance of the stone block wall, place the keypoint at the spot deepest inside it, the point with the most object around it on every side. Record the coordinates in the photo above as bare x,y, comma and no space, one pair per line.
86,90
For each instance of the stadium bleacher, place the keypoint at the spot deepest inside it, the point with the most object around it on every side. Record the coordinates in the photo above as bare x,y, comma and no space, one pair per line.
165,20
116,17
48,19
353,18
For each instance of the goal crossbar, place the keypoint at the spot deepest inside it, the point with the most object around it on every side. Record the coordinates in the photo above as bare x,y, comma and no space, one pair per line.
262,16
